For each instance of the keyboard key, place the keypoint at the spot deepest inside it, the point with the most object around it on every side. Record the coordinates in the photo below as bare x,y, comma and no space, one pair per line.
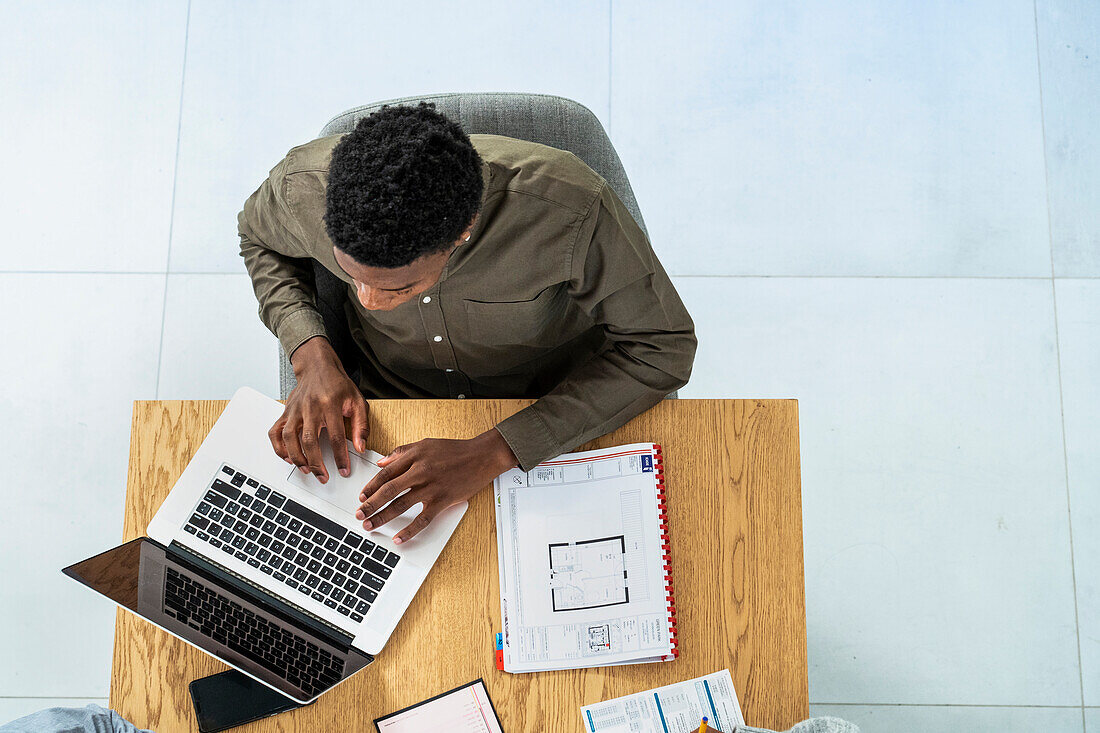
239,542
317,597
226,535
263,492
252,533
216,515
276,546
200,521
245,500
330,603
306,546
240,555
278,576
227,548
244,514
271,512
372,581
265,540
304,589
317,553
215,542
343,566
281,533
276,498
253,562
313,581
357,557
391,559
352,540
367,546
238,479
252,482
287,568
362,607
339,579
202,536
232,508
325,587
223,488
216,499
314,519
266,569
302,560
189,529
239,527
204,508
356,617
331,544
344,610
343,550
377,568
257,520
337,594
263,555
300,574
227,469
326,573
351,586
330,559
292,582
251,548
295,524
366,594
355,572
378,554
314,566
282,519
288,553
269,527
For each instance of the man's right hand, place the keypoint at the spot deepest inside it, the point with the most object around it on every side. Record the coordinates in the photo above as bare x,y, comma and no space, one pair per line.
325,395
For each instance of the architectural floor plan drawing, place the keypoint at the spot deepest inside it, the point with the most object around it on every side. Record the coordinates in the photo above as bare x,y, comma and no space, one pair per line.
588,574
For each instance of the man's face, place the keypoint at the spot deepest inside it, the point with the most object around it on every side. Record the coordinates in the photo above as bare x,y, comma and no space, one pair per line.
385,288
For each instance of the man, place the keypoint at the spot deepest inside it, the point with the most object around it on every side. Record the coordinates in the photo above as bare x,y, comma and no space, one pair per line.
477,266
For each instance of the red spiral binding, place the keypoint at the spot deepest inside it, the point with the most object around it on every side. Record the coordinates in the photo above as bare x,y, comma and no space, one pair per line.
662,518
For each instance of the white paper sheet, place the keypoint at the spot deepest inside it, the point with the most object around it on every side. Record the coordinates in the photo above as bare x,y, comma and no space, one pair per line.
674,708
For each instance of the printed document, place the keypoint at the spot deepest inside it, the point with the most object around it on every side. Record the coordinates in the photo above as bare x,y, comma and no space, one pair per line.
672,709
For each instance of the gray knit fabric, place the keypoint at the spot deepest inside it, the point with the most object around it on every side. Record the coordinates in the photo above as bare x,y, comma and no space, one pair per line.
813,725
542,118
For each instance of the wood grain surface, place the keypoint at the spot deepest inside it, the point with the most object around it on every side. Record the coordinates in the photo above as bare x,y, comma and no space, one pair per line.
735,521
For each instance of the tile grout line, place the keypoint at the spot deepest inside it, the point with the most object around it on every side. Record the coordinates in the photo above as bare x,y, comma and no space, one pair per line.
610,5
951,705
172,214
1058,362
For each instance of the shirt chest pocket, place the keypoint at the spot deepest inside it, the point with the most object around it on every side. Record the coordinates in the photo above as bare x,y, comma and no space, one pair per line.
517,322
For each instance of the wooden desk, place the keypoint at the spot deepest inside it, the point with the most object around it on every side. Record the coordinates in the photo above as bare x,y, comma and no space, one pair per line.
735,520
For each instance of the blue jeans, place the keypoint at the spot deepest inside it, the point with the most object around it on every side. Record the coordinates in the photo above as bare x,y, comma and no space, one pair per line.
89,719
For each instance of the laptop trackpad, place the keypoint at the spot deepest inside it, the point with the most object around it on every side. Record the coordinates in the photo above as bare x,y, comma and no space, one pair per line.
343,493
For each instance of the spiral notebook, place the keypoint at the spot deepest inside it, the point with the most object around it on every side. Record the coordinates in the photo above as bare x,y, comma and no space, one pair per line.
585,570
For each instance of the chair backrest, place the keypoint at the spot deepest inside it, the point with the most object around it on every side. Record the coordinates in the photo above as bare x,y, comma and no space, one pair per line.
541,118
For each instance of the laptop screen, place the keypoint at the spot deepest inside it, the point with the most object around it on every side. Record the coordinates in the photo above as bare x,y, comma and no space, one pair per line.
257,635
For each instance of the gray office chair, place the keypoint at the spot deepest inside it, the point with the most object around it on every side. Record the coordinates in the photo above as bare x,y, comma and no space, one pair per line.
541,118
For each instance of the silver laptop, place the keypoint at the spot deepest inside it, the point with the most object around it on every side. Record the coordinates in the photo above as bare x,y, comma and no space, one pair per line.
267,568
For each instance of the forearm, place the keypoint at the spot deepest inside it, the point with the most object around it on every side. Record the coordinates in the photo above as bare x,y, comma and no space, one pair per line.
599,397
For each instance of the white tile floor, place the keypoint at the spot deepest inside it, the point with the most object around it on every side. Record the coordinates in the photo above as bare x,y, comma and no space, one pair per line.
895,205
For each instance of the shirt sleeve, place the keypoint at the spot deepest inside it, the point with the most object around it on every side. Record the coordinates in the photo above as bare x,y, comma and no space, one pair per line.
617,279
278,263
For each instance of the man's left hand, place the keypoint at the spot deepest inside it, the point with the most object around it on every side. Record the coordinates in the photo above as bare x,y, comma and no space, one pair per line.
438,472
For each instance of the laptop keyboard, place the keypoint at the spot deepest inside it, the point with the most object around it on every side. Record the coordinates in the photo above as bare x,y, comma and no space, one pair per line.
291,657
298,547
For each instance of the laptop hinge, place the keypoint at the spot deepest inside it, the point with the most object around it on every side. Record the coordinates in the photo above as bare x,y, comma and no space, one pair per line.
337,636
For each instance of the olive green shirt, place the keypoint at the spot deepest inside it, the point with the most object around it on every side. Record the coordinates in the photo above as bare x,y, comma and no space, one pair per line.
558,295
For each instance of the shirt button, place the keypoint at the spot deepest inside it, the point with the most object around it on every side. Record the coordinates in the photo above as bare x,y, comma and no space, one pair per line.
462,397
437,338
427,299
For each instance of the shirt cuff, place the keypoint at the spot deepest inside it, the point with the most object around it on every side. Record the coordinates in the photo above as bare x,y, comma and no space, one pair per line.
528,437
298,327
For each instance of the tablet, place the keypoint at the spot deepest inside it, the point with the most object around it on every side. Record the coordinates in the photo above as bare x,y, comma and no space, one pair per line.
465,709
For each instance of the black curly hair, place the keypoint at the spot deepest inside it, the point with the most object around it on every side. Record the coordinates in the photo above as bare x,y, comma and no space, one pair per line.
404,183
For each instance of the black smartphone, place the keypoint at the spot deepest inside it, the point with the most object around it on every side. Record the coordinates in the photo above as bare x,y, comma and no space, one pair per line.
228,699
